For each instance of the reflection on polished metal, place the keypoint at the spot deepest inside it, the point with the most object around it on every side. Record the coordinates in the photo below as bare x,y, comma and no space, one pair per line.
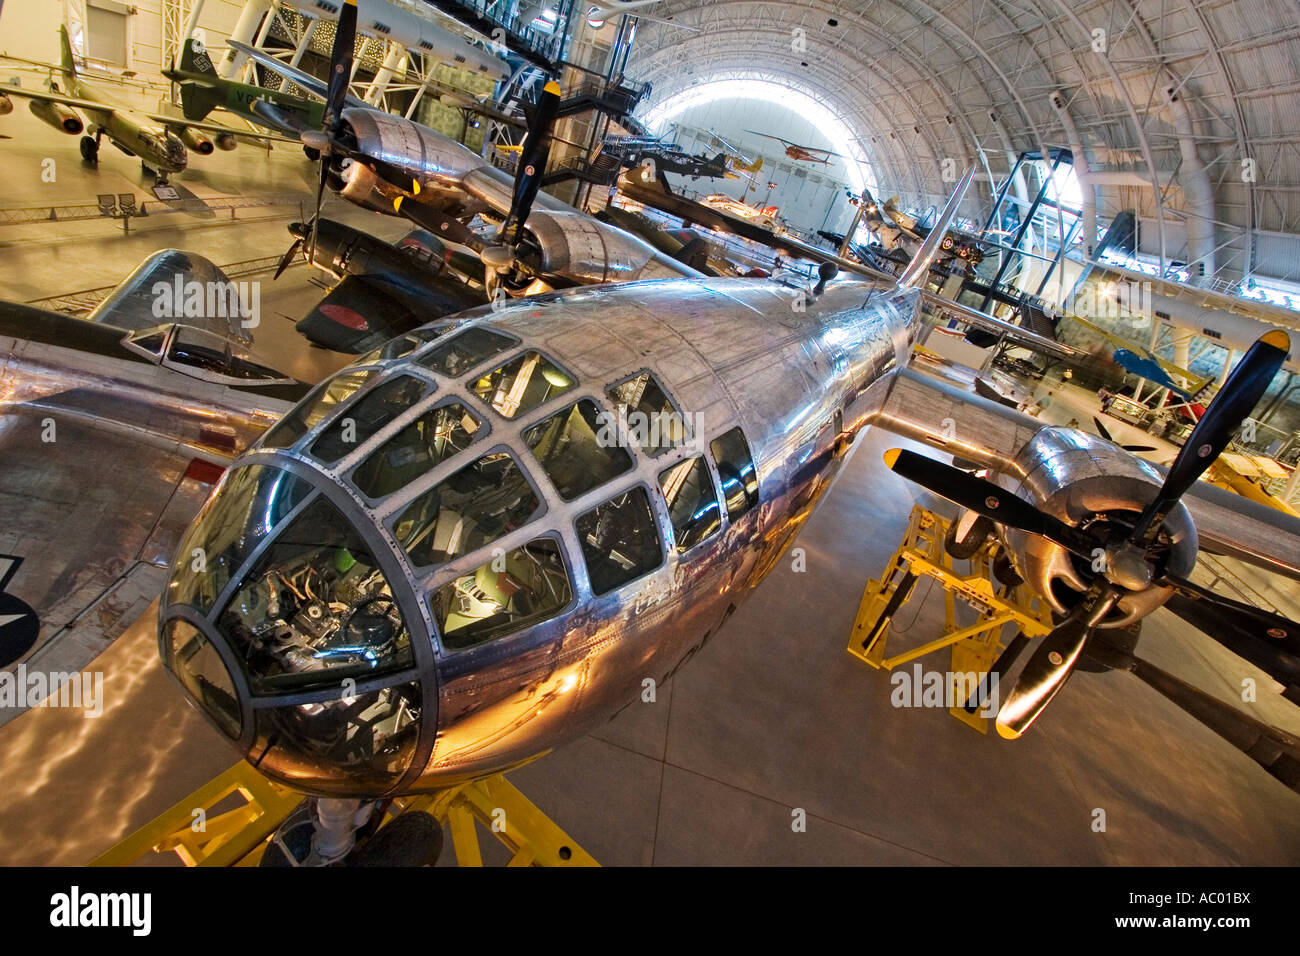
395,615
531,579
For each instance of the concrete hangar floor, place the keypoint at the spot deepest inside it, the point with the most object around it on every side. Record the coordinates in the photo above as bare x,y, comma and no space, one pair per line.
771,717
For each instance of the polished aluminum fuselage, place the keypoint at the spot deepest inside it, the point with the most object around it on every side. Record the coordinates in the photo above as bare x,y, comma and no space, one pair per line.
572,245
800,378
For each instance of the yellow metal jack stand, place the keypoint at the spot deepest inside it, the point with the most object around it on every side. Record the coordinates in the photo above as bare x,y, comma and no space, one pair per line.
239,836
974,648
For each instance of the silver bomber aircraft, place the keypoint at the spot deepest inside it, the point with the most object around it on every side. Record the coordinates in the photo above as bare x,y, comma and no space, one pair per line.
399,167
476,542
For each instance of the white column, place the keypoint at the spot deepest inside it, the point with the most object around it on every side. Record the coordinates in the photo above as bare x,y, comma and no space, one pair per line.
245,31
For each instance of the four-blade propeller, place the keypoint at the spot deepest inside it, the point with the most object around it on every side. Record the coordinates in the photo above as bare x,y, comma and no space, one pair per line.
1130,561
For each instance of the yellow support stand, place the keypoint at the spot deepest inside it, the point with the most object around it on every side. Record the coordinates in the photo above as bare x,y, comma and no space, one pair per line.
975,647
239,836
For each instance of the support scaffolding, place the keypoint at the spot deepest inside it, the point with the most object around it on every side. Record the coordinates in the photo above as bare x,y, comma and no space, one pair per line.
204,830
975,647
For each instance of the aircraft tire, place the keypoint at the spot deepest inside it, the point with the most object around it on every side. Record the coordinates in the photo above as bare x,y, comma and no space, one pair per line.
312,153
89,149
975,536
413,839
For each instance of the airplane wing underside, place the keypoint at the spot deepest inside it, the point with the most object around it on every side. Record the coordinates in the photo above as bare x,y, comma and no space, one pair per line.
89,520
355,316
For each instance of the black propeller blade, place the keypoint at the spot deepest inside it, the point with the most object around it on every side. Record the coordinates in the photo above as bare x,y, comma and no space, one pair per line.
1047,670
345,41
1239,395
287,258
1277,751
1104,433
1269,641
985,498
532,160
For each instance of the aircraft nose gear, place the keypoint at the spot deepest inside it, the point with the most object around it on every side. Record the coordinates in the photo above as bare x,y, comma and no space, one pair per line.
346,832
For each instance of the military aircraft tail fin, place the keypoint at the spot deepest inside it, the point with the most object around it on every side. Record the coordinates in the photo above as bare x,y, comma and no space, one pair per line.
919,268
66,60
195,59
201,97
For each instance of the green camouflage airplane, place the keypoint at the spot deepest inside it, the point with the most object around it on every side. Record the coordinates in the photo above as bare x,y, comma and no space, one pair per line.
202,91
159,141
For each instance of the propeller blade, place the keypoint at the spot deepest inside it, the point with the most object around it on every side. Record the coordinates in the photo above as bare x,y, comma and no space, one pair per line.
320,198
532,159
1277,751
1101,429
1048,669
1238,397
985,498
286,258
438,223
345,41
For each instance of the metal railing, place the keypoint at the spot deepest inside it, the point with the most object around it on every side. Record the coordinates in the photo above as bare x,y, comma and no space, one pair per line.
83,302
1222,574
106,209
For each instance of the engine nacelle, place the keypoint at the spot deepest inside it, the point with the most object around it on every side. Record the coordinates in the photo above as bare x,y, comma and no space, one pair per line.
586,250
6,105
195,140
57,115
437,163
1082,480
226,141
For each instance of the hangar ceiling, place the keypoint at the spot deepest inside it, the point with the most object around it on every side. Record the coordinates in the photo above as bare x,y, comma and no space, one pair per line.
921,81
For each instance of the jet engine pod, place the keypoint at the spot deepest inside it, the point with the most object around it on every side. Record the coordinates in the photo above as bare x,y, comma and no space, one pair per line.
1093,484
6,105
57,115
196,141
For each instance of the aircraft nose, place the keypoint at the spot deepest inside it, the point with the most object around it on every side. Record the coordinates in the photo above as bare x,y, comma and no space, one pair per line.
285,627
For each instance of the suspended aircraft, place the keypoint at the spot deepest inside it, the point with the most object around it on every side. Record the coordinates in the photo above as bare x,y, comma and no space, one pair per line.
159,141
202,90
476,543
804,154
396,166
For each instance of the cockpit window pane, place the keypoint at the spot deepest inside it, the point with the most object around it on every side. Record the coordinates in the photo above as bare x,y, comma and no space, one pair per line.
364,741
404,345
652,420
522,384
315,609
363,420
578,449
505,594
462,352
196,662
692,502
471,508
619,540
252,504
418,448
312,410
736,469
